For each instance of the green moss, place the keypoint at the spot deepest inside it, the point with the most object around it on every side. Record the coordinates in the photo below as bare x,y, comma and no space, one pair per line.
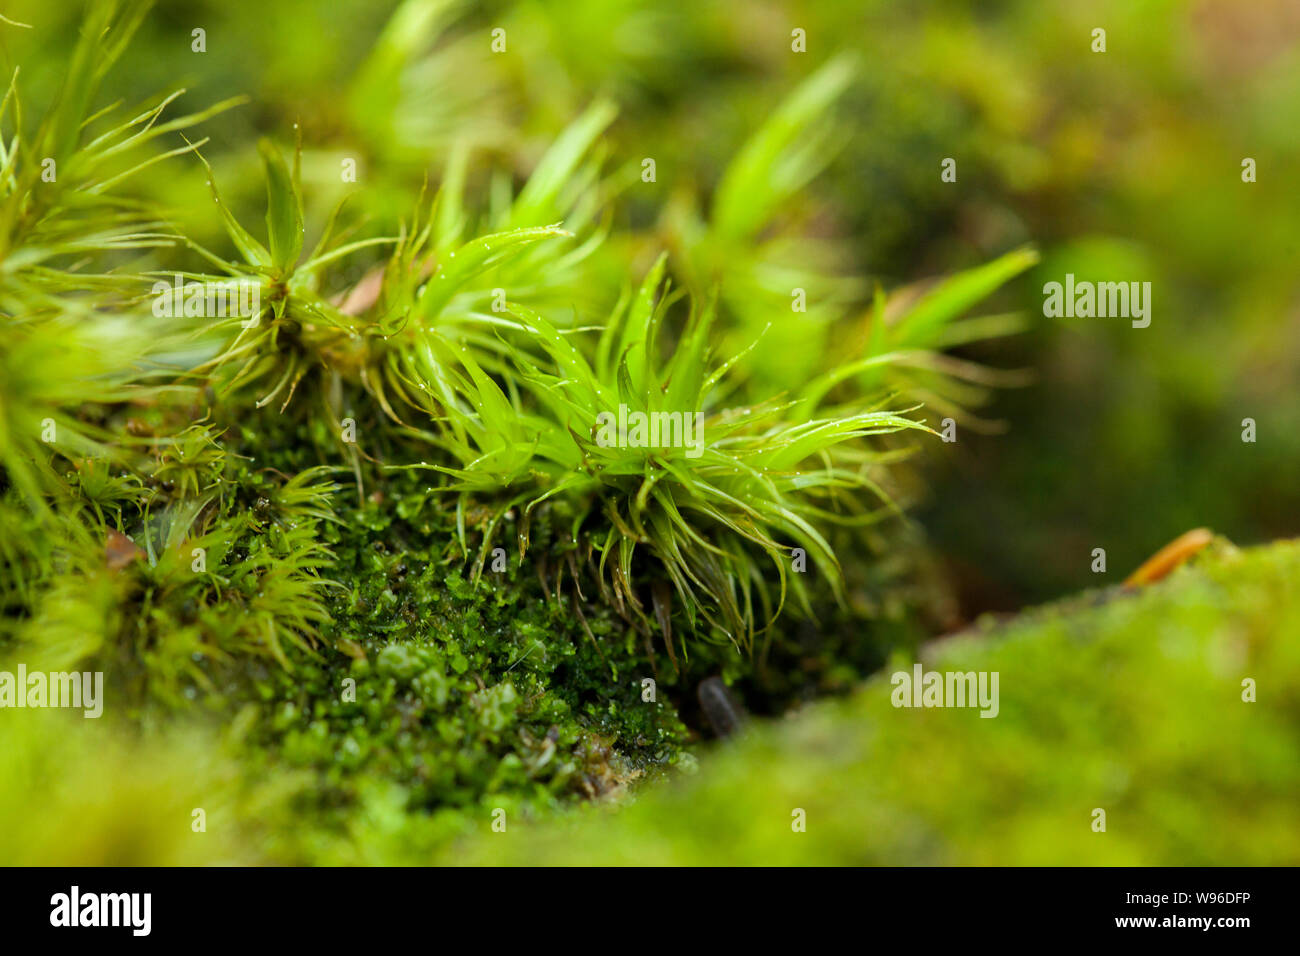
417,697
195,529
1132,704
447,698
79,792
469,700
468,697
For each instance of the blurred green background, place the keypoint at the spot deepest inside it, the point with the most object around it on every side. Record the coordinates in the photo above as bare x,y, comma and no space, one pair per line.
1122,165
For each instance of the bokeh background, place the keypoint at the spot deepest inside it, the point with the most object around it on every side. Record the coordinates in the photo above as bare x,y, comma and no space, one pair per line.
1121,165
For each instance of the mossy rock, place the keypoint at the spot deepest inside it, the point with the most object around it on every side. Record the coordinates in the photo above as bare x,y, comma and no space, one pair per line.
1132,703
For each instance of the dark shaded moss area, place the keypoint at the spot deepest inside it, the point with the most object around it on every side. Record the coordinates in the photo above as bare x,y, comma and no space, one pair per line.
460,693
444,696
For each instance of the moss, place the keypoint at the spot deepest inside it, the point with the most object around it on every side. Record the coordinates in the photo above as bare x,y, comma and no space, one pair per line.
414,693
422,699
354,626
1131,704
449,698
79,792
468,697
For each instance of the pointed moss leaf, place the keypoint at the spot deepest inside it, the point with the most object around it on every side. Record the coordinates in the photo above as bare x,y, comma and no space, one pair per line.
570,362
922,326
636,332
538,200
284,224
772,166
686,369
473,258
254,252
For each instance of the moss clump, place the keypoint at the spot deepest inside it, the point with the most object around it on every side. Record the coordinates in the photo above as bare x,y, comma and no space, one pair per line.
185,470
421,700
519,691
451,699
